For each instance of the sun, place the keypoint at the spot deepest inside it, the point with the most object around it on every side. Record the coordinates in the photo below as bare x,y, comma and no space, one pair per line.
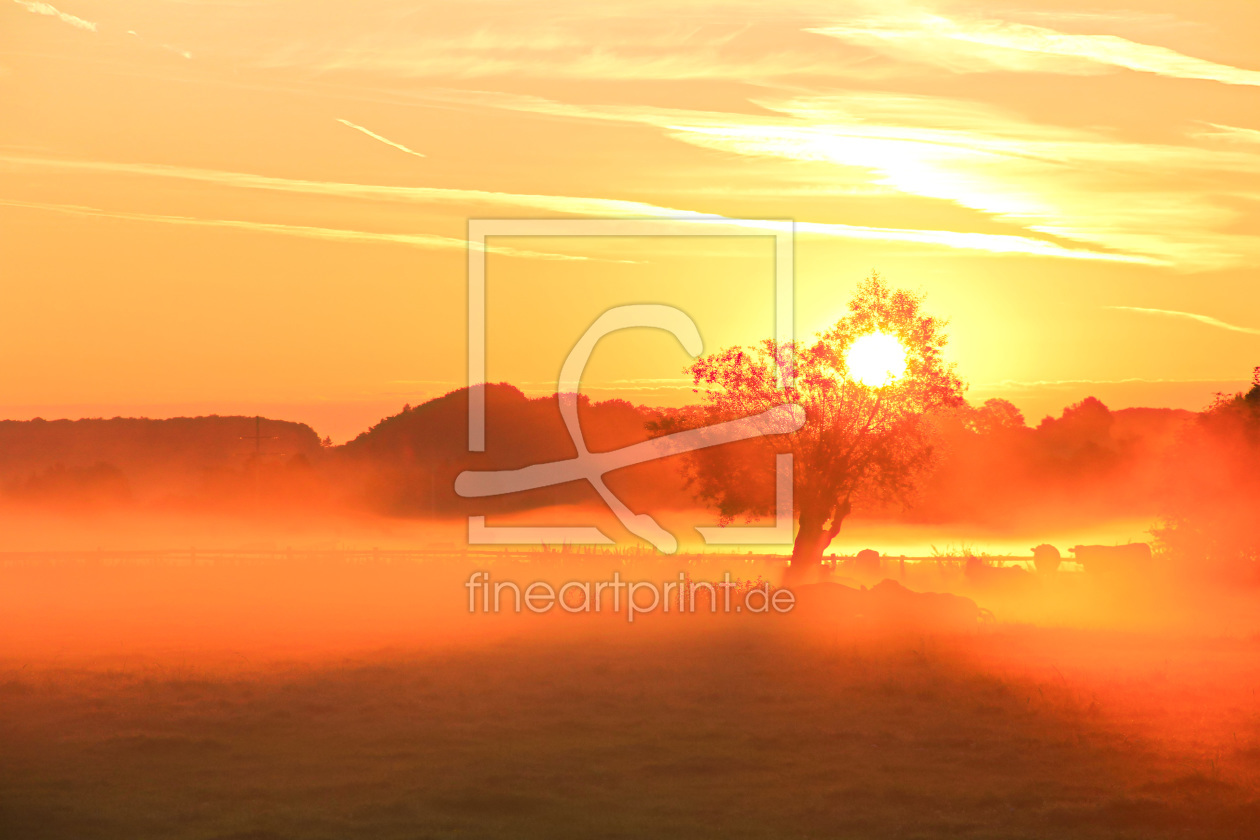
876,360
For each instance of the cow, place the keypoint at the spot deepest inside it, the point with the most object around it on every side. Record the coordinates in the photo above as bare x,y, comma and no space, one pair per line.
1114,560
1046,559
868,563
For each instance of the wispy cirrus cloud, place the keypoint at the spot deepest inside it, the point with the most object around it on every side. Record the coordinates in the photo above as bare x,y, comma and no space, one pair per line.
590,63
384,140
582,206
1189,316
1064,383
613,39
1154,202
427,241
1229,133
575,205
39,8
983,45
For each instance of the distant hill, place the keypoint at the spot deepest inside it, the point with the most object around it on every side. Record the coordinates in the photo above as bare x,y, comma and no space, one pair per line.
105,461
407,463
1088,462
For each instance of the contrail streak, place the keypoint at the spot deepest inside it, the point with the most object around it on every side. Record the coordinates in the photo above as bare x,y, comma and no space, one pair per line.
328,234
384,140
39,8
1202,319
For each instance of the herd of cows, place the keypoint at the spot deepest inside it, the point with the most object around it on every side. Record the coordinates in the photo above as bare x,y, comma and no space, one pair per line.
1096,559
842,597
1100,560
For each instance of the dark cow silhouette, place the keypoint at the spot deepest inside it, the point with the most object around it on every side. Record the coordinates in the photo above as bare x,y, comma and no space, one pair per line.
1111,560
867,562
1046,559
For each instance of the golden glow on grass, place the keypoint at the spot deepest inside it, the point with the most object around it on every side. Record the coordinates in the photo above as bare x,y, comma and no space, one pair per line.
877,359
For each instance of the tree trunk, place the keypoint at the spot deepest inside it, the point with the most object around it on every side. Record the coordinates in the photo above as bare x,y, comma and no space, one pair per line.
807,553
813,535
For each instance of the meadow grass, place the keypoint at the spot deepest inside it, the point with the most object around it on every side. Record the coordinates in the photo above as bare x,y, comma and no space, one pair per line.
734,730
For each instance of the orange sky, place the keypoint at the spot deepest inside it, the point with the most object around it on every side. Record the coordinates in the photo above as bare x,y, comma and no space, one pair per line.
234,206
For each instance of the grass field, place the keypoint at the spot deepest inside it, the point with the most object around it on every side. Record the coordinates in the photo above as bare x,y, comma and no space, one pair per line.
363,701
735,731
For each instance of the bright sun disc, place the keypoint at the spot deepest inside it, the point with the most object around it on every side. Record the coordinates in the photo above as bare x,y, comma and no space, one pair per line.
876,360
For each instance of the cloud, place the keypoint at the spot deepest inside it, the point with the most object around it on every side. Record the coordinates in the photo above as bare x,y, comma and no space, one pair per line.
583,206
741,41
981,45
1045,383
590,63
1190,316
1228,133
39,8
614,385
376,136
574,40
427,241
369,192
1150,202
180,51
994,243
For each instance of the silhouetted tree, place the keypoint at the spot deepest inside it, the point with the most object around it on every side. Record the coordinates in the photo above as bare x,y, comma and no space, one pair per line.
859,441
1251,399
1210,521
995,415
1084,425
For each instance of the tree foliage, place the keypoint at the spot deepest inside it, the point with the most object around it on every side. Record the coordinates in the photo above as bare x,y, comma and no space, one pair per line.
1210,518
859,442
